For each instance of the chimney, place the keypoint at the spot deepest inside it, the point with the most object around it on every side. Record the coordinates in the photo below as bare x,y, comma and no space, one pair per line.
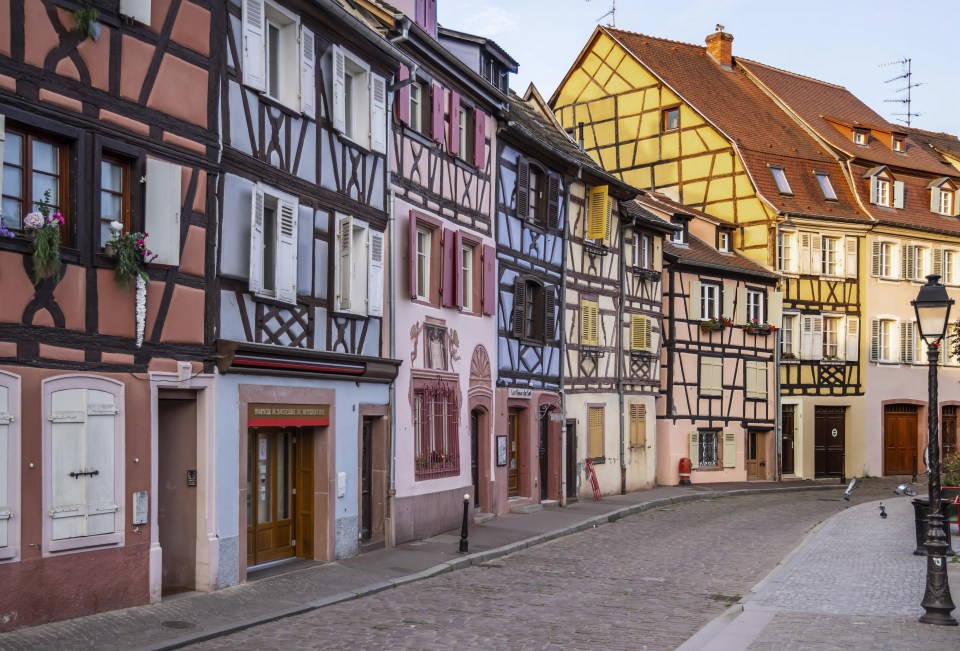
720,47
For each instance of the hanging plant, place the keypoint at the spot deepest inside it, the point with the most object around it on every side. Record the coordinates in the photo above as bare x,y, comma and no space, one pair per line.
86,21
129,253
44,229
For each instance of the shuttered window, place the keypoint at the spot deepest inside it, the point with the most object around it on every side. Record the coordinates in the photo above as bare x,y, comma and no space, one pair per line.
9,464
534,314
638,425
711,376
641,335
359,100
811,336
83,429
598,213
358,267
756,379
589,323
595,418
884,340
273,244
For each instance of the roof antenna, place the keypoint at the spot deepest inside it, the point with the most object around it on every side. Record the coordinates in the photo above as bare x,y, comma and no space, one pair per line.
908,75
612,13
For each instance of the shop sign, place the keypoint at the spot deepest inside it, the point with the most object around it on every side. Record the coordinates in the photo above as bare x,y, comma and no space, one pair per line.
277,415
520,393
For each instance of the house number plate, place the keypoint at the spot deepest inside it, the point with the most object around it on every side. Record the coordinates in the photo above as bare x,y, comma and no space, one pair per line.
833,432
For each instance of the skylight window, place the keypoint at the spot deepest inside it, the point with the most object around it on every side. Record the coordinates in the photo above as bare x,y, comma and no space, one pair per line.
826,186
780,177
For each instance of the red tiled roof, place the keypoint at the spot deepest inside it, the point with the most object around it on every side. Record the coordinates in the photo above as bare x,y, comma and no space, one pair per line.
945,142
816,101
916,212
764,134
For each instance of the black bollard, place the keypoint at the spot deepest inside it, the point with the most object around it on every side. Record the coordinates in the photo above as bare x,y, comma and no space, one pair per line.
913,480
463,527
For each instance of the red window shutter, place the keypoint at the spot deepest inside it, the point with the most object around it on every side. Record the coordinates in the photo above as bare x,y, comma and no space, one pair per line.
553,201
403,97
412,253
523,188
436,120
489,280
453,141
448,284
479,139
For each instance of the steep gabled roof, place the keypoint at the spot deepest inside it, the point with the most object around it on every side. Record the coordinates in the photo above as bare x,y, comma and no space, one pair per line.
762,132
942,143
822,105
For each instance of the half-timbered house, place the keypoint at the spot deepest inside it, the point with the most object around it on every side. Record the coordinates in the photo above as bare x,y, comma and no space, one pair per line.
913,195
105,392
303,395
719,369
441,273
670,116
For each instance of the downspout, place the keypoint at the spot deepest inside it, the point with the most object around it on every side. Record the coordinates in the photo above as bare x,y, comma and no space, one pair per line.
564,480
622,272
392,335
778,422
670,345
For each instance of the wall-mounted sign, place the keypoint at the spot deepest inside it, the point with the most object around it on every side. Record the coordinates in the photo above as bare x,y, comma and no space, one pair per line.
501,450
276,415
519,393
557,416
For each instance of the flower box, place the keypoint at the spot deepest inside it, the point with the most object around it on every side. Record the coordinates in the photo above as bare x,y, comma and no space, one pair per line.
715,325
833,362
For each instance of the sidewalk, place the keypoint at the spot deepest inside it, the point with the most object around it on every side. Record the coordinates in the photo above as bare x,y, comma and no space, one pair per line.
179,621
853,583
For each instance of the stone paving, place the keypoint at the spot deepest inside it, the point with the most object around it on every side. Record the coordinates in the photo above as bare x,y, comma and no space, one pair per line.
645,582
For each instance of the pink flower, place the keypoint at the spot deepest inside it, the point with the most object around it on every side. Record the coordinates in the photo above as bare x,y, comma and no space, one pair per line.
57,217
33,221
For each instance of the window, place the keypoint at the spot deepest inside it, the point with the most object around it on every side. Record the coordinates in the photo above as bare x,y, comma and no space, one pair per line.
883,346
946,203
755,301
424,241
534,310
359,100
359,267
278,56
535,203
723,241
33,164
680,236
598,213
883,192
756,380
831,337
884,189
419,108
9,465
788,347
638,425
709,301
641,333
949,263
642,251
826,186
898,144
780,178
943,197
670,119
708,448
831,256
467,252
589,322
273,244
435,429
787,251
466,130
114,196
860,137
83,473
537,192
921,267
886,263
595,418
711,376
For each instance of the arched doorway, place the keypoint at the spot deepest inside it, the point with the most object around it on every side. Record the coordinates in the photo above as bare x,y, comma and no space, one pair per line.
480,403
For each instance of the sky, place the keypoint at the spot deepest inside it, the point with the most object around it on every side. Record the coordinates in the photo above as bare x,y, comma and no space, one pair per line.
845,42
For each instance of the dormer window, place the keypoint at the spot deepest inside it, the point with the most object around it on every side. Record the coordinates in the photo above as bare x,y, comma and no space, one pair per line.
943,197
826,186
884,189
723,241
670,119
780,178
860,137
679,237
898,144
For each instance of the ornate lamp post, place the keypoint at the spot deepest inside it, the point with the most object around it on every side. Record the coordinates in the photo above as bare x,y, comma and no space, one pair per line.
932,306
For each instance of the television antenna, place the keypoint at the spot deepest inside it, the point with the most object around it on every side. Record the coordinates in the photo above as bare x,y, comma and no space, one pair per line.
908,77
612,13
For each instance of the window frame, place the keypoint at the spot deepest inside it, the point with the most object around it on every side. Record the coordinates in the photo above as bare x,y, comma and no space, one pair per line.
787,251
825,183
724,240
287,24
789,326
883,192
950,266
947,200
667,115
826,262
425,236
898,144
838,333
469,250
779,174
756,305
716,300
861,137
128,170
424,447
717,435
417,107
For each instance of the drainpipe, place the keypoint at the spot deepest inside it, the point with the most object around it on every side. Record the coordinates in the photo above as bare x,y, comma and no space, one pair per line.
392,334
622,271
778,426
670,344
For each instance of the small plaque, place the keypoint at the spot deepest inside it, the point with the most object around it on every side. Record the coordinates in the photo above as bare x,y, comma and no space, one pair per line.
191,478
141,507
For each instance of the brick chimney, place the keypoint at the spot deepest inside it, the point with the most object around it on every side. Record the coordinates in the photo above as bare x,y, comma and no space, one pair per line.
720,47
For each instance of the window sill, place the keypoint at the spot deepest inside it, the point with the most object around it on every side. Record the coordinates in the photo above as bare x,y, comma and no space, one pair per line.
78,544
646,274
279,104
789,361
273,300
592,248
346,314
707,468
592,351
832,362
710,396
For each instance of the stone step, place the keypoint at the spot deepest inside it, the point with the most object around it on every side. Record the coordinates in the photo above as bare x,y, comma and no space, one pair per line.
526,508
481,518
550,504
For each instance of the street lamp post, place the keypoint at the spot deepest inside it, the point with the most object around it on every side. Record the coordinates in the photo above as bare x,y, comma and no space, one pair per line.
932,306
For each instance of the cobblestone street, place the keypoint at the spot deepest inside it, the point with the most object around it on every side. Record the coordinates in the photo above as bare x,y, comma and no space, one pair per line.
645,582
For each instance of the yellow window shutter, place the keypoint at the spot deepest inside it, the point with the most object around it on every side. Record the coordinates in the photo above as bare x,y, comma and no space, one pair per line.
638,425
597,213
657,261
595,432
589,330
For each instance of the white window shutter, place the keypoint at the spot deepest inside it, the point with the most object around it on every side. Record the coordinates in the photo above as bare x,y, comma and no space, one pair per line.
873,189
254,28
852,352
804,253
339,75
740,311
816,253
850,258
101,495
935,199
287,250
817,336
256,239
938,262
953,213
898,193
694,308
162,218
729,450
344,261
694,449
874,340
727,297
68,419
793,261
139,10
308,73
876,266
908,344
775,308
375,274
6,507
378,113
806,337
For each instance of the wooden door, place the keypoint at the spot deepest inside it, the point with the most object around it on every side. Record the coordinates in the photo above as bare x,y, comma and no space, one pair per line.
177,496
271,527
829,442
571,471
513,455
788,424
303,502
475,455
948,429
366,481
899,439
753,458
544,436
